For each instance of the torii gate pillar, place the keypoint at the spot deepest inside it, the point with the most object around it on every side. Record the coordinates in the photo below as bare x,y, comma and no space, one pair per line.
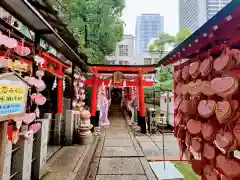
142,121
94,100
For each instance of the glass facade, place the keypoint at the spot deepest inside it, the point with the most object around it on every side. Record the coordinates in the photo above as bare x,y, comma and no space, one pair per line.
148,26
194,13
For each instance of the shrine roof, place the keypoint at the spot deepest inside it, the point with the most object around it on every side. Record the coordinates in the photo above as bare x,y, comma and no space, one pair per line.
43,20
223,28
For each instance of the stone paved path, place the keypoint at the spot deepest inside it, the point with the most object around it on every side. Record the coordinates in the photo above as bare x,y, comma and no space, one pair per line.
152,147
119,156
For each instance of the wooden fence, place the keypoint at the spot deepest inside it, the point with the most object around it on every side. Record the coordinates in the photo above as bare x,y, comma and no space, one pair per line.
24,160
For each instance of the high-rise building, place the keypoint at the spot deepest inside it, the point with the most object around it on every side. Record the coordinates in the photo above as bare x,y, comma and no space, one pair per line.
194,13
148,26
213,6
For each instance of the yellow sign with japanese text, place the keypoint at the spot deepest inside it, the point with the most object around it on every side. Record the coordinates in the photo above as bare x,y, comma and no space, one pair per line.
12,97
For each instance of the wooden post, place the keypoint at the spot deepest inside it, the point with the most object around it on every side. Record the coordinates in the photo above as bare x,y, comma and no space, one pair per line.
167,120
59,96
40,149
22,159
93,100
3,151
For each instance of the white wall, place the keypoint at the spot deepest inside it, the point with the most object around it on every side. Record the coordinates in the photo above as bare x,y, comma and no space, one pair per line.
127,40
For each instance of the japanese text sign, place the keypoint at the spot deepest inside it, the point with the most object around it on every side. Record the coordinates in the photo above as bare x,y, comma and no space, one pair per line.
12,97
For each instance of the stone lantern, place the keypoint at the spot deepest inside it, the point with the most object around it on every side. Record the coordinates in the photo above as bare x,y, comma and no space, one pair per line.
84,128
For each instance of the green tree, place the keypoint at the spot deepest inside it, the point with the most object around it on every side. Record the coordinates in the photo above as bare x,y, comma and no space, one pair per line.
159,45
182,35
96,24
164,39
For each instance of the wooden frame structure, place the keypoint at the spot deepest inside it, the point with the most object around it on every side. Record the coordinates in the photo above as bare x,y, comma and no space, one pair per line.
138,82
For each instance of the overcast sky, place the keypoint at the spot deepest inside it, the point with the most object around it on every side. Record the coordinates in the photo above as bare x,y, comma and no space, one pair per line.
166,8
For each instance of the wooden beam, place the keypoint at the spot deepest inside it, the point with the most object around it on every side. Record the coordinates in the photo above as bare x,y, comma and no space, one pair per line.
123,68
89,82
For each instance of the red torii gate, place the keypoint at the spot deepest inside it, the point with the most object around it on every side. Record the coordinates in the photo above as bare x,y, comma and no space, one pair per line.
139,82
57,71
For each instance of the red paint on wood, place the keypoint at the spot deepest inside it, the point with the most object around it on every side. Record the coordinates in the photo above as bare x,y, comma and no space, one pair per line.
93,106
89,82
141,95
123,68
59,96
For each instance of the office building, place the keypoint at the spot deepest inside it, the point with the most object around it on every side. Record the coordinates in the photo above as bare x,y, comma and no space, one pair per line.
194,13
148,26
213,6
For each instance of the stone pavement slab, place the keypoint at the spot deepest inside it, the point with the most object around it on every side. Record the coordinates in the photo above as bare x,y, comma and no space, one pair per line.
70,162
148,145
118,142
170,138
172,149
66,159
143,138
121,177
60,176
151,149
121,166
119,129
117,135
119,151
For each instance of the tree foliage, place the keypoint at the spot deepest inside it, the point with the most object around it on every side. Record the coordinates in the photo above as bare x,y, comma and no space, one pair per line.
182,35
164,39
160,43
165,74
96,24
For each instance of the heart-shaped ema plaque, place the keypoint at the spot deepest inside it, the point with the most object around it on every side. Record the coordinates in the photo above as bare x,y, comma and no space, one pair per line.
183,107
206,66
223,111
177,75
185,72
178,119
225,86
209,151
177,102
195,87
194,127
207,131
209,173
38,99
196,145
222,62
28,118
236,131
22,51
220,85
229,167
184,89
206,89
224,140
8,42
194,69
206,108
